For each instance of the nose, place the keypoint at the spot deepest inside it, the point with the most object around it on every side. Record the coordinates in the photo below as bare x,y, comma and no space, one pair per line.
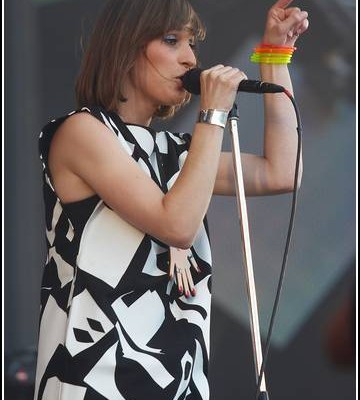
187,57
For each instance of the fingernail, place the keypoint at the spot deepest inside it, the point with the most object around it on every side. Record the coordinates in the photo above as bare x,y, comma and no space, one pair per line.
187,294
193,292
180,289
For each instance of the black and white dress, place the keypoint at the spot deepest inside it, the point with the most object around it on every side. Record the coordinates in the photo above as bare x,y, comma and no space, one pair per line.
112,324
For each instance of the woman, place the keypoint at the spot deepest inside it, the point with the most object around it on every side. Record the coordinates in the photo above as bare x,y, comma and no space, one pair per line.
124,316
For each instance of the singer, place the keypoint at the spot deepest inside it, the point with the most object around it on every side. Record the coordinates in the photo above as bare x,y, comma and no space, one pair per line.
125,297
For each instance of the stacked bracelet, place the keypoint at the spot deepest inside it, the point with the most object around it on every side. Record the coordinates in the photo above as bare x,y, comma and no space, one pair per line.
272,54
213,117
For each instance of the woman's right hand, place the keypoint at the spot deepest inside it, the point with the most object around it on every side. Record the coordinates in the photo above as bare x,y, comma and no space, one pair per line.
219,86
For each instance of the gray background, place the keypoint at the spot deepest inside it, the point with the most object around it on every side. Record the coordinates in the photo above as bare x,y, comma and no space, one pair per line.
42,54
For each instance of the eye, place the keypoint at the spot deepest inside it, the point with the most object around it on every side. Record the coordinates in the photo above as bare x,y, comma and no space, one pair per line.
170,39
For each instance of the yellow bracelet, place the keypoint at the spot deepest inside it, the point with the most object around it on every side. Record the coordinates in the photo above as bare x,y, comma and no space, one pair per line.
272,54
270,59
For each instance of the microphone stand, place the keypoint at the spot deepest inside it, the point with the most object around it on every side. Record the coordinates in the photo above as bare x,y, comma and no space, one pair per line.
247,258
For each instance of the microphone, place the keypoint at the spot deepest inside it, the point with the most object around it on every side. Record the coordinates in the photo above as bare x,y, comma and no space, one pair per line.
191,83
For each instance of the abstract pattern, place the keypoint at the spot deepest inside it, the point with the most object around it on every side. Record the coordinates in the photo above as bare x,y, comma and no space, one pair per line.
112,325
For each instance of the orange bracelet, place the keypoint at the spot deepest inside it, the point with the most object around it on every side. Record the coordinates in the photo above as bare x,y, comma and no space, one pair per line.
272,54
276,46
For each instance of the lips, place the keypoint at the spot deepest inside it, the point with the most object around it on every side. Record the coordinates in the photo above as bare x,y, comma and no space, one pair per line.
180,80
181,76
179,84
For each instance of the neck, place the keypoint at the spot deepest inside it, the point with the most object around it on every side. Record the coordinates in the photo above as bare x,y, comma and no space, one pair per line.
134,116
136,111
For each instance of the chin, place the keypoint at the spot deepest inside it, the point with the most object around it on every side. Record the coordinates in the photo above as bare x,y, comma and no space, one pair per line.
178,100
172,98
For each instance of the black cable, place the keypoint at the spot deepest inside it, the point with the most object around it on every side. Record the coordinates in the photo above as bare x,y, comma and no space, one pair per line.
286,251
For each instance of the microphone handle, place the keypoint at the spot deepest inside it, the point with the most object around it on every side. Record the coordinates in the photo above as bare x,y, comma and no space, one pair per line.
191,82
253,86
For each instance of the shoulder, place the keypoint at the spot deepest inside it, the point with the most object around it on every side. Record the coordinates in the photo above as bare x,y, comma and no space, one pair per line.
79,123
82,131
81,134
72,126
77,119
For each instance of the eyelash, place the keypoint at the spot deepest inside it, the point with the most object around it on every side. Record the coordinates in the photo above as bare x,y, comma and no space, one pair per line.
173,40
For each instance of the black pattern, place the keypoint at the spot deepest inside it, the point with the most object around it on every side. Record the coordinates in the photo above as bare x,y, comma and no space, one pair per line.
112,324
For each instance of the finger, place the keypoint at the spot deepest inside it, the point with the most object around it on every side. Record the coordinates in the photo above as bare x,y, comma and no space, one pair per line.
299,29
216,72
171,270
193,263
214,68
282,4
179,280
231,77
191,282
237,77
294,20
295,15
233,72
186,283
303,27
291,10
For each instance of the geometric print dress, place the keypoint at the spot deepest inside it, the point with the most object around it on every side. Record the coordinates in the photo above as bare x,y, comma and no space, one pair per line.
112,324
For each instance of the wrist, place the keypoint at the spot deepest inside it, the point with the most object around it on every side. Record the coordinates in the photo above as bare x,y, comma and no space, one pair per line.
266,53
213,116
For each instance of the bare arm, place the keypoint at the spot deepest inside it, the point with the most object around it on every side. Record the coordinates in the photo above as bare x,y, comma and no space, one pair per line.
272,172
86,158
90,155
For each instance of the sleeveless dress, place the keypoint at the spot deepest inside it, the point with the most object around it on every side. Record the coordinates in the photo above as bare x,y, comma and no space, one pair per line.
112,324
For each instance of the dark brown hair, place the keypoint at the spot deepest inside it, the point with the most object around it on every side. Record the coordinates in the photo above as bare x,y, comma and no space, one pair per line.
123,30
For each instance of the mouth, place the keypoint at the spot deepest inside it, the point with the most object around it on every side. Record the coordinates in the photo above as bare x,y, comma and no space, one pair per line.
179,84
181,76
179,81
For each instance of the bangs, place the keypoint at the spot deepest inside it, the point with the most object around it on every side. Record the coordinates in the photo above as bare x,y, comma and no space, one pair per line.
164,16
181,15
154,18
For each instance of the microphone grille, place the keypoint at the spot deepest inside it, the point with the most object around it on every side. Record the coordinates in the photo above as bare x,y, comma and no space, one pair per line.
191,81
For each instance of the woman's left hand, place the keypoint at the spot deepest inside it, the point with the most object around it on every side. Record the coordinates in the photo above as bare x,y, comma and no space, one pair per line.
284,25
180,263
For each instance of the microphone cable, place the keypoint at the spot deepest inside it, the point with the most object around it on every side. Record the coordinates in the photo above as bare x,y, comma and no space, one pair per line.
260,395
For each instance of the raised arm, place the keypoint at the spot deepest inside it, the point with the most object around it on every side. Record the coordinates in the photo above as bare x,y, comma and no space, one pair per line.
272,172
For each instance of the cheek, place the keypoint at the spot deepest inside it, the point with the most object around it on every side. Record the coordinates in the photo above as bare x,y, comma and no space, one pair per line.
141,73
158,54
